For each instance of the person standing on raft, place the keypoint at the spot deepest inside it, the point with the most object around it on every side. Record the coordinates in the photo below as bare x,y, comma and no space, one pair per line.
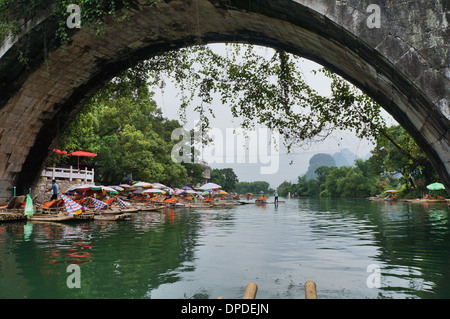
55,190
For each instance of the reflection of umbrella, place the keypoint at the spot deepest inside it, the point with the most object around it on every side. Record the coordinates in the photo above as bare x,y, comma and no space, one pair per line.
210,186
436,186
82,153
391,191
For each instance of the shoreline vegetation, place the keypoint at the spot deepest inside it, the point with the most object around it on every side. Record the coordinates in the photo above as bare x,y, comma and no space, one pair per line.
396,165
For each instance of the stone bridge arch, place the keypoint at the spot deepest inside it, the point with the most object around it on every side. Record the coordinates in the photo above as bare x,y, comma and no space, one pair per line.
403,63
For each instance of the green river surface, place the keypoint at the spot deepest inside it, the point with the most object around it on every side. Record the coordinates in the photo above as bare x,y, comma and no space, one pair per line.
207,253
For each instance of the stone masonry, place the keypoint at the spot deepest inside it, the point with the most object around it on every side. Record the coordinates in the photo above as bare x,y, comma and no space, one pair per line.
403,63
39,191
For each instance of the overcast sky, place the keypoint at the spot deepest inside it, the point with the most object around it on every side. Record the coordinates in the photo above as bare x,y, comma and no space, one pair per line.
169,103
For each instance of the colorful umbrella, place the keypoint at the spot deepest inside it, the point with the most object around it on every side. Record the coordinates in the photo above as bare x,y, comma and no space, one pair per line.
153,190
141,184
59,152
161,186
436,186
82,153
208,186
72,207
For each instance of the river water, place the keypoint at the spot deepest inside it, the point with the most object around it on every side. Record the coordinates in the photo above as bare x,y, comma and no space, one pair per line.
351,248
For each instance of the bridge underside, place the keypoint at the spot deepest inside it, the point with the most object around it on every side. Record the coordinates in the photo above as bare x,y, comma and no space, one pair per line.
408,77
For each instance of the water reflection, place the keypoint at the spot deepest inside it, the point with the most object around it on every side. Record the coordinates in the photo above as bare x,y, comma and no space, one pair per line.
179,253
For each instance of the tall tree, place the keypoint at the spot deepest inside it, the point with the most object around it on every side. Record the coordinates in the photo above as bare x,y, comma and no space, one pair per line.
225,177
123,125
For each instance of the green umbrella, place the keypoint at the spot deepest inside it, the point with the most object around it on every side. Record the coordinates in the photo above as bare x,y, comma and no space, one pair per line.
436,186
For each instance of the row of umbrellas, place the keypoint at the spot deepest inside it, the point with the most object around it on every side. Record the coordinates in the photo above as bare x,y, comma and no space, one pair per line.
76,153
141,187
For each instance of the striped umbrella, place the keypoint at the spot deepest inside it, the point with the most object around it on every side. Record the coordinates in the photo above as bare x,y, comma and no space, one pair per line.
72,207
98,204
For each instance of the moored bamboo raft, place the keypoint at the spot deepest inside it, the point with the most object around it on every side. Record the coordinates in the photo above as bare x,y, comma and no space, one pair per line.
60,217
11,216
151,208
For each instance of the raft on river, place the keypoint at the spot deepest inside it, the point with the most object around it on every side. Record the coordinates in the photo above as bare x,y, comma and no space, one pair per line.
8,216
60,217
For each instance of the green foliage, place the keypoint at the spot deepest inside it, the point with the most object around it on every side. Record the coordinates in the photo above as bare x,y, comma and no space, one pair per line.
396,163
126,130
253,187
224,177
264,91
397,153
93,12
195,174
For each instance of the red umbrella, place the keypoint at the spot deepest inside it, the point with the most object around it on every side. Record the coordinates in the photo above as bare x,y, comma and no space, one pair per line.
82,153
59,151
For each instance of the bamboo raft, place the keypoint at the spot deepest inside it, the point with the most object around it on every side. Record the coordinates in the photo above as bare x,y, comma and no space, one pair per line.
257,202
60,217
117,211
252,289
12,216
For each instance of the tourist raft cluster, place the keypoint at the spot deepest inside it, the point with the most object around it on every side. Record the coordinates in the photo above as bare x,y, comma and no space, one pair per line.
96,202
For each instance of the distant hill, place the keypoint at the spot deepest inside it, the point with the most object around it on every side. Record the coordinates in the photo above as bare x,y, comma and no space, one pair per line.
342,158
320,159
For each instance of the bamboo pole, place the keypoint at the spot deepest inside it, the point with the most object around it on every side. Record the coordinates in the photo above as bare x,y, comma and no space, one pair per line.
310,290
250,291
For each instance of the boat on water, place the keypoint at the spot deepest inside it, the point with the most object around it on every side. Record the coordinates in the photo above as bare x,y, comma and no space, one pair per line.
116,211
260,202
383,199
12,216
60,217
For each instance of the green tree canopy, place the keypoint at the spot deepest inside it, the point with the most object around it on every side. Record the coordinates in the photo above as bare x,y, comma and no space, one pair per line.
124,127
224,177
